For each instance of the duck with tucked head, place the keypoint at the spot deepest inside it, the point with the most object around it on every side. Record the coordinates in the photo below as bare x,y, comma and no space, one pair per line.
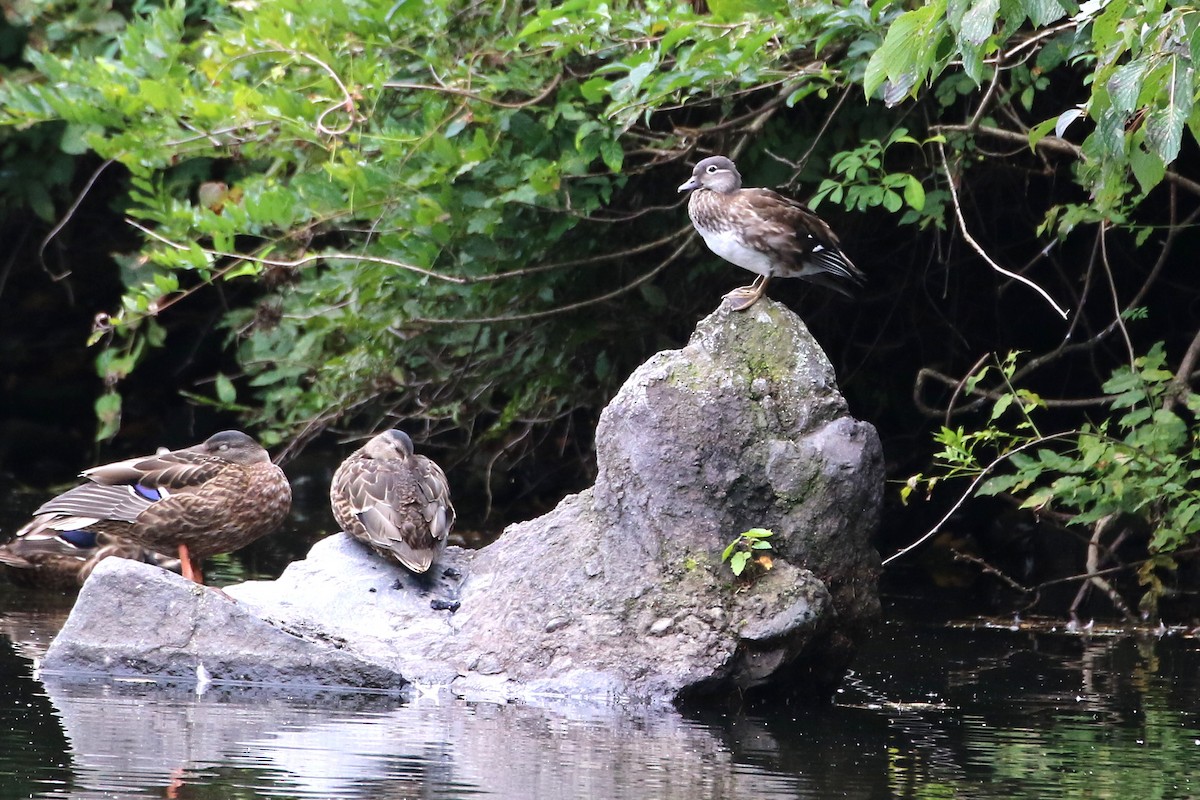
39,558
214,497
393,500
764,232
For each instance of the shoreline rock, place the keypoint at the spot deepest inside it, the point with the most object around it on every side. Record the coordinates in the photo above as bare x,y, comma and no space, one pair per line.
618,594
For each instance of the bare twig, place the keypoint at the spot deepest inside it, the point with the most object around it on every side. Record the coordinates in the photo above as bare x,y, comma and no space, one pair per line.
1054,144
1112,289
990,570
1093,574
983,395
962,224
299,262
983,473
551,312
961,384
425,87
62,223
1180,386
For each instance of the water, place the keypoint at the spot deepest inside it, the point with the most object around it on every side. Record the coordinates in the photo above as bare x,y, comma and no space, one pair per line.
930,711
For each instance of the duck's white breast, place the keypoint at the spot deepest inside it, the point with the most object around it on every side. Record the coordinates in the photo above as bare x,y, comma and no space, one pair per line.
728,245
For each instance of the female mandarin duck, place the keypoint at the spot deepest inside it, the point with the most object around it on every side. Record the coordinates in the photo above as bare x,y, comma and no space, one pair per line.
394,501
50,559
764,232
212,498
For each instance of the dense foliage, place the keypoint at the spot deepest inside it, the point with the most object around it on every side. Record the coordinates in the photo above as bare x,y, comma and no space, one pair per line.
464,214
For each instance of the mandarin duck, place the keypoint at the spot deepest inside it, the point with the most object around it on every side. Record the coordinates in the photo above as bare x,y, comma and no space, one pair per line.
764,232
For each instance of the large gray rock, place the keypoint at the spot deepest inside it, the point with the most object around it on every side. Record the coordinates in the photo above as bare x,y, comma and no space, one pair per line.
620,591
135,619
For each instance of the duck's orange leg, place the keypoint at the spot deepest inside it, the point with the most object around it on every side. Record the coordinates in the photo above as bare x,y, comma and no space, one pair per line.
189,568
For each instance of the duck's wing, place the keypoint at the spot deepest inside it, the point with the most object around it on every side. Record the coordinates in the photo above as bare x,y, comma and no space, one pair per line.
171,471
37,541
92,502
792,232
386,501
121,491
434,497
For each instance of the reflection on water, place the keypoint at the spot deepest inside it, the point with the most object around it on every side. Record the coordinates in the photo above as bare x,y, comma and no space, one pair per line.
928,712
134,740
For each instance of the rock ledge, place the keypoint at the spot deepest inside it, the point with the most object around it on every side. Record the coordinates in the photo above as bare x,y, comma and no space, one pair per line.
619,593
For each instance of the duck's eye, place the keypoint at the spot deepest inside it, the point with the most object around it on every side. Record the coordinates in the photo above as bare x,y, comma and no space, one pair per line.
711,169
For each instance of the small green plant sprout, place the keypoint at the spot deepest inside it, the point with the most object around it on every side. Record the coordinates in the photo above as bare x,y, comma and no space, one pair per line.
742,549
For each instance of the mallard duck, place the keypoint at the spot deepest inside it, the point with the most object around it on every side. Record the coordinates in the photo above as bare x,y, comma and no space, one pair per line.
396,502
49,559
764,232
211,498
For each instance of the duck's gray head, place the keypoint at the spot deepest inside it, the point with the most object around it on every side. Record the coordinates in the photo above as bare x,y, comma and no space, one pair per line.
234,446
390,444
717,173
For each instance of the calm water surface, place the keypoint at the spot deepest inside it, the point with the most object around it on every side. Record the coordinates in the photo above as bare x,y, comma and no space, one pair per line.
929,712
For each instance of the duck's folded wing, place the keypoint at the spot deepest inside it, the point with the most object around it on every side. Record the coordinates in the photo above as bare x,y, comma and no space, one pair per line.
435,499
169,471
96,501
388,528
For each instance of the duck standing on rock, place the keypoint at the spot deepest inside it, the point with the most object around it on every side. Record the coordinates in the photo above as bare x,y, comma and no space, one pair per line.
214,497
394,501
764,232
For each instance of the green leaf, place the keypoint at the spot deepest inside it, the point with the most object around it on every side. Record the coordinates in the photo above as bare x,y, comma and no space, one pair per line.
108,415
1043,12
613,154
997,485
729,550
979,21
738,562
908,50
1148,168
226,392
1164,126
1001,405
1064,120
1125,84
914,194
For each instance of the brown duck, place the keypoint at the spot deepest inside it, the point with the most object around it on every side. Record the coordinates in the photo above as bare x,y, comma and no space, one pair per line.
39,558
396,502
764,232
212,498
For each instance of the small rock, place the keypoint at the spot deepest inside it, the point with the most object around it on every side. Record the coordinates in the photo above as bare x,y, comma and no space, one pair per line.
557,623
488,664
661,626
438,604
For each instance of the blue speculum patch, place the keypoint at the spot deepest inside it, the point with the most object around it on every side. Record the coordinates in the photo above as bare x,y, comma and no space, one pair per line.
81,538
147,492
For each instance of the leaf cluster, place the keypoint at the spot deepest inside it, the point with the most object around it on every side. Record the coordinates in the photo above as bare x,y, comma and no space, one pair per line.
1143,463
746,549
